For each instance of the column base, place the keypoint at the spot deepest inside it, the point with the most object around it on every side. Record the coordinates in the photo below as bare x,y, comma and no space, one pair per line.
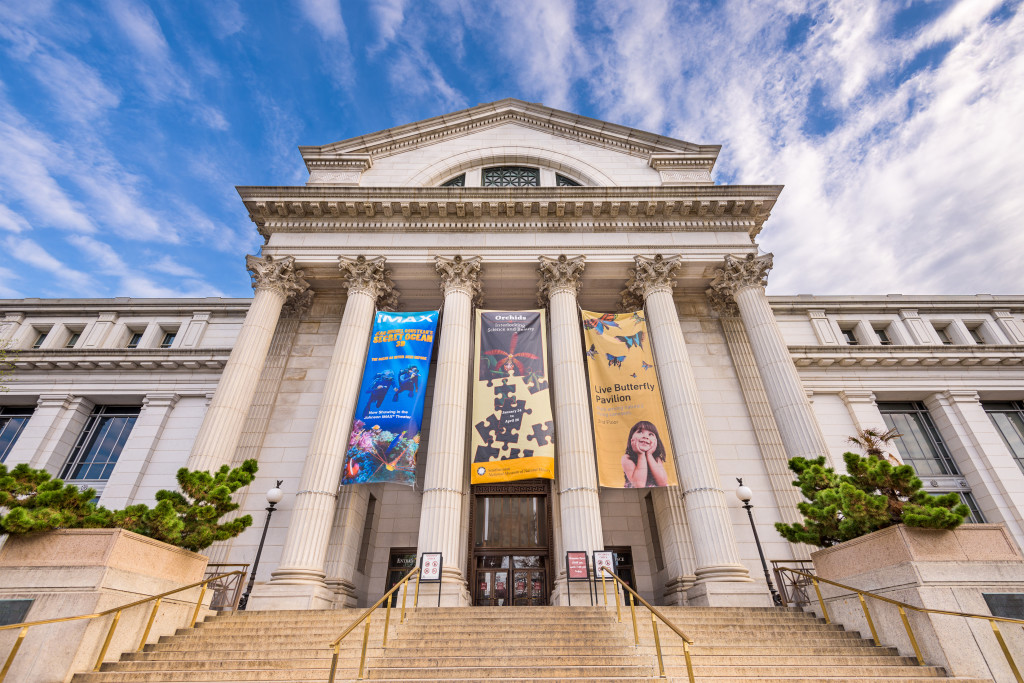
581,593
723,572
454,591
728,594
675,590
300,596
345,594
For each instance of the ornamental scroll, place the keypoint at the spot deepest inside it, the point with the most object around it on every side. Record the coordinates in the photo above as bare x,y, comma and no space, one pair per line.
513,429
630,429
385,433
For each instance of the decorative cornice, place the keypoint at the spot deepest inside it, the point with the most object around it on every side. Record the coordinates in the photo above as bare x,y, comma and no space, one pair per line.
740,273
120,360
369,276
650,275
906,356
460,274
558,275
276,275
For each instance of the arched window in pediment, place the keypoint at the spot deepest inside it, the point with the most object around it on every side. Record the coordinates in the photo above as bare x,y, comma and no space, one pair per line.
511,176
457,181
565,181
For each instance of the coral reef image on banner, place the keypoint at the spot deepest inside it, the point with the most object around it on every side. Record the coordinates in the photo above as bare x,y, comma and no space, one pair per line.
630,429
385,434
513,435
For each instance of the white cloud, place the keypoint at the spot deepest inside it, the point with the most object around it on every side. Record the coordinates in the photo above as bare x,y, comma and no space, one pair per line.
172,266
28,251
227,17
325,16
6,291
78,89
12,221
389,15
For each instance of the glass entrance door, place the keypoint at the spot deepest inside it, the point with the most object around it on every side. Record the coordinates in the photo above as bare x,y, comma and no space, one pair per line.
511,545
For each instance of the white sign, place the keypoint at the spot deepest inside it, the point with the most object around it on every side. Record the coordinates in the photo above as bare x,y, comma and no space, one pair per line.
430,567
603,558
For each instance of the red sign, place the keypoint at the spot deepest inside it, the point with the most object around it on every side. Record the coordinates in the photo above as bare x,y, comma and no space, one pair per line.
576,565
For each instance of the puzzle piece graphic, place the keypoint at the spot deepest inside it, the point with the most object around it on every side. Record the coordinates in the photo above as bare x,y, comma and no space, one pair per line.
517,453
538,384
506,436
513,413
486,454
489,429
542,433
505,394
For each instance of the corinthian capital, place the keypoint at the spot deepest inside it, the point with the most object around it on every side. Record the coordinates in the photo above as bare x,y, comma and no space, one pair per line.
740,273
460,274
369,276
722,304
276,274
650,275
560,274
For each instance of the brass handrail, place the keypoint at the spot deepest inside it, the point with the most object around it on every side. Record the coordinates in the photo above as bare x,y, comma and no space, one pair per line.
903,606
336,644
633,596
116,611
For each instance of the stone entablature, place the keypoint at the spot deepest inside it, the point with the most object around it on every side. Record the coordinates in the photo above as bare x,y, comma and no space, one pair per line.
939,356
121,359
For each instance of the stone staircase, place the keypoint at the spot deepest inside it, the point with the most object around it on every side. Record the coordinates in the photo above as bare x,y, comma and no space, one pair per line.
516,644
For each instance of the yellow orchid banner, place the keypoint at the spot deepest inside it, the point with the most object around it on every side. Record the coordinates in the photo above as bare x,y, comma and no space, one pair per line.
630,429
513,434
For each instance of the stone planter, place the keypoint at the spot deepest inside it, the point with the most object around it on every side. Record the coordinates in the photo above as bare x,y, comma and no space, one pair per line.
944,570
82,571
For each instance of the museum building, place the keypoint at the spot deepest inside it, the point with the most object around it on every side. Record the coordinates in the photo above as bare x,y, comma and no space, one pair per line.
514,206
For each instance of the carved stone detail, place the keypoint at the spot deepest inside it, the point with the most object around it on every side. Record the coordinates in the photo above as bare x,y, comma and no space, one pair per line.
460,273
650,275
298,305
276,274
740,273
369,276
725,306
558,274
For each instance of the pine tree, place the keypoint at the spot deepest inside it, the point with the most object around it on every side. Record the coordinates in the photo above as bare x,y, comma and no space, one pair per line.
188,519
873,495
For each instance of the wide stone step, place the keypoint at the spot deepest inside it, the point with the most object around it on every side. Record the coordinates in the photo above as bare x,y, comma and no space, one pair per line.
749,672
499,672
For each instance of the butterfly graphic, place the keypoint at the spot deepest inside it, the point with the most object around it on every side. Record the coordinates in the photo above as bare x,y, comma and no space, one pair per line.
605,321
592,351
645,365
632,340
637,318
634,375
614,361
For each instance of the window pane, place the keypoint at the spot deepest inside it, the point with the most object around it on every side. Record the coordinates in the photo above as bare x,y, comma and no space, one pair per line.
1009,420
511,176
919,441
457,181
12,422
562,181
100,443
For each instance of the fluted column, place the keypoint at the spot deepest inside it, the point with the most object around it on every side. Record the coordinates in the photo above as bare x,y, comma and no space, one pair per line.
676,547
579,503
444,482
274,280
298,582
344,544
707,513
743,280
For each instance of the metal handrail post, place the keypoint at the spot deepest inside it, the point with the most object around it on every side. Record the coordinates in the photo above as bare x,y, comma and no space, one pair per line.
152,617
821,601
106,643
362,656
632,610
199,603
867,615
657,646
405,594
387,622
1006,651
14,651
910,632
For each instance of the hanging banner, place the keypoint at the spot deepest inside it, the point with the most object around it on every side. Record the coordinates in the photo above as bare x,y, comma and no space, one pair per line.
513,435
630,430
385,431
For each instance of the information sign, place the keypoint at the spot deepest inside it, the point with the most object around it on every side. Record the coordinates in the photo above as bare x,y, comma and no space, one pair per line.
577,565
430,567
603,559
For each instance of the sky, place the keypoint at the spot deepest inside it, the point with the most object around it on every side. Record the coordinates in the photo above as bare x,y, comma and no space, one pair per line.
895,126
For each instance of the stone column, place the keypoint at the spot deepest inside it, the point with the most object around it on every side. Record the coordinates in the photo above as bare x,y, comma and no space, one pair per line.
579,504
676,547
346,539
743,280
444,482
298,582
274,281
718,572
769,441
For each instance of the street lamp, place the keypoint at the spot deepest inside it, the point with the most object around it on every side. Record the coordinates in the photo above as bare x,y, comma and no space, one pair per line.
745,494
274,497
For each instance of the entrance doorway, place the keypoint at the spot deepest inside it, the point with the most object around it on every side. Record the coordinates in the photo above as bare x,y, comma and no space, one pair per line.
511,544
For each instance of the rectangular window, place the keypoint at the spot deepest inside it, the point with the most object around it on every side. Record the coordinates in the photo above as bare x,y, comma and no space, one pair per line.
133,341
167,340
12,420
943,335
1008,418
918,442
72,340
851,338
975,517
40,338
100,443
975,333
883,336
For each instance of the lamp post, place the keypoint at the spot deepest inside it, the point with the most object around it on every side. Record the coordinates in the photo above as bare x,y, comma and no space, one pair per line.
274,497
745,494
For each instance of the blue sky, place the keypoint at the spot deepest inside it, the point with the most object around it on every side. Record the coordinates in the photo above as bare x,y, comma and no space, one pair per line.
895,126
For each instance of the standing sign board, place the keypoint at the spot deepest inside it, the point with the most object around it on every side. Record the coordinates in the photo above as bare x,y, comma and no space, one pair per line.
430,571
603,559
577,568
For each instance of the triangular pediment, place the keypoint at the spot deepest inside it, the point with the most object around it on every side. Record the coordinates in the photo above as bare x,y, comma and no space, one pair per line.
432,131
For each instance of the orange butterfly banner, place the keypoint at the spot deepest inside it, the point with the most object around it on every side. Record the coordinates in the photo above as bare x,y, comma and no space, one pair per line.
630,430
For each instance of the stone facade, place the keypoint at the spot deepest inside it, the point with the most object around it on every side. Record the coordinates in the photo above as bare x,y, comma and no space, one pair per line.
749,380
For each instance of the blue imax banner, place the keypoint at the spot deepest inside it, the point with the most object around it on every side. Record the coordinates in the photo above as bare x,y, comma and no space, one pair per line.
385,432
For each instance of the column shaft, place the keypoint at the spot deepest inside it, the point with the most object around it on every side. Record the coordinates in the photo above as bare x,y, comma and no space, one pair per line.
346,540
707,513
676,547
